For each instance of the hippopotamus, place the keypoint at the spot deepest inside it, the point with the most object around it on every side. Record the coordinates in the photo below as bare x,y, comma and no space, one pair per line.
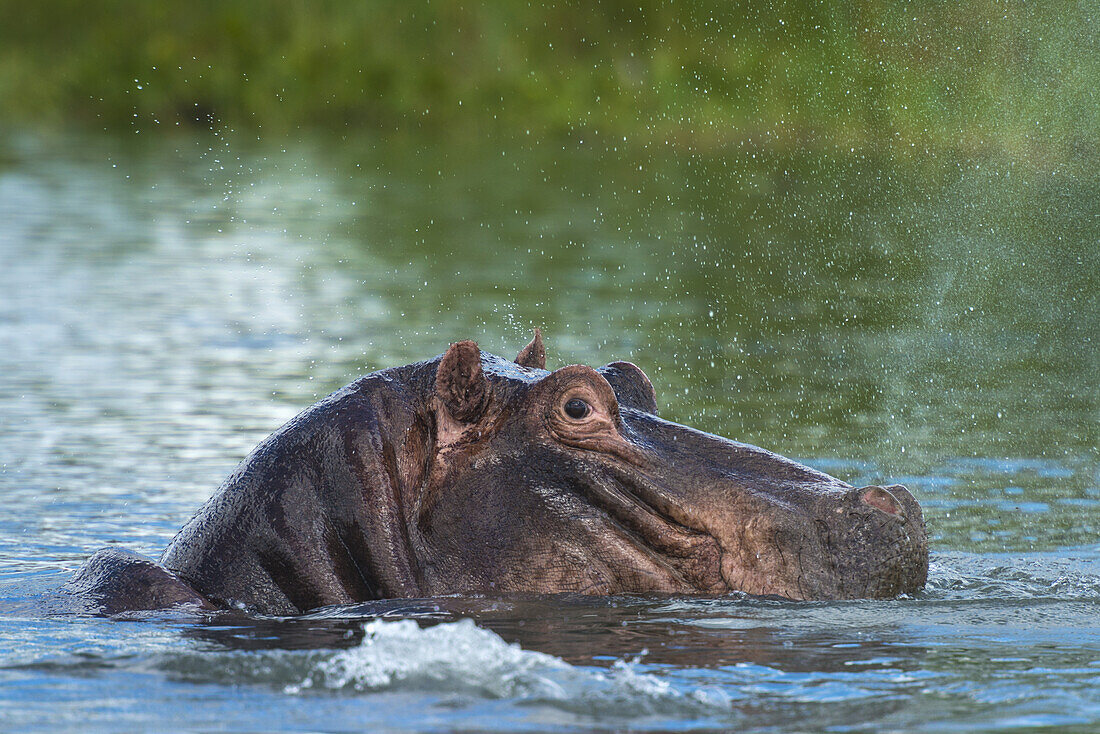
471,474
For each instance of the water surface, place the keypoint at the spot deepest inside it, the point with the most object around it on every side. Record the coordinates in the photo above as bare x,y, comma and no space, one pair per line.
166,305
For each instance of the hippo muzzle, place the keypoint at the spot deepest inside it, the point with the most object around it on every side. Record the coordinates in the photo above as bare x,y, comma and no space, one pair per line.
776,527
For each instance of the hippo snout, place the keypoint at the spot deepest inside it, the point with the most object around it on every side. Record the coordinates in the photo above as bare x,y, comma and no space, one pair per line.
876,540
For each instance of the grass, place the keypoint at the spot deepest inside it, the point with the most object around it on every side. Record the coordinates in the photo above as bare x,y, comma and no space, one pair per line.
984,78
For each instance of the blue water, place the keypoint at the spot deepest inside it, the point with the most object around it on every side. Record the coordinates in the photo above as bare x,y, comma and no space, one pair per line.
1015,649
158,318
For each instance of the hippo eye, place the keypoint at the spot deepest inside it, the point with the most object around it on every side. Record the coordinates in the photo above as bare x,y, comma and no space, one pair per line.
577,409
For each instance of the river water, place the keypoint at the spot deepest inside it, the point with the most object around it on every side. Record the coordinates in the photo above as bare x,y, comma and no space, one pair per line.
166,304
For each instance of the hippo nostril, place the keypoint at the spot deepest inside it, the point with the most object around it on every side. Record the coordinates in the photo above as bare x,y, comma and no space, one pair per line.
881,499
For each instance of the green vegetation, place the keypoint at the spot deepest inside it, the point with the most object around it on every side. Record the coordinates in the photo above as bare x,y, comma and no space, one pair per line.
982,78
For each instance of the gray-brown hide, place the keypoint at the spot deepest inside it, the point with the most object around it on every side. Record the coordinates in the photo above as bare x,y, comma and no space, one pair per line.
469,473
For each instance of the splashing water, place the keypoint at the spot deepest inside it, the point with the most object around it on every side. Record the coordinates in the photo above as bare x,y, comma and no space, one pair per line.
152,331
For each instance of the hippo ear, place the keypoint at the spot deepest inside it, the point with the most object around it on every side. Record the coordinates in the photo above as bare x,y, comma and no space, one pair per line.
632,388
460,382
534,354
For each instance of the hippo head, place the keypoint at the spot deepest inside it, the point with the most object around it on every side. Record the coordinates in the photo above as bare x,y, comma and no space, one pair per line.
469,473
567,481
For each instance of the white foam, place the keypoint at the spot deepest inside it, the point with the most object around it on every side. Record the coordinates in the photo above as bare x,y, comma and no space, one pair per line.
458,656
462,658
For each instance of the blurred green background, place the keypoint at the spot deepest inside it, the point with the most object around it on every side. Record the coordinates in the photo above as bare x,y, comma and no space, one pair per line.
921,79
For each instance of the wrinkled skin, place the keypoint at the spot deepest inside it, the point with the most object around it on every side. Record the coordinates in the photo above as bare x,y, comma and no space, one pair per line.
472,474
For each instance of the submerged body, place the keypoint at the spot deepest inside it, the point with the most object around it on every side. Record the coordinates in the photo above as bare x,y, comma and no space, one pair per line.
469,473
